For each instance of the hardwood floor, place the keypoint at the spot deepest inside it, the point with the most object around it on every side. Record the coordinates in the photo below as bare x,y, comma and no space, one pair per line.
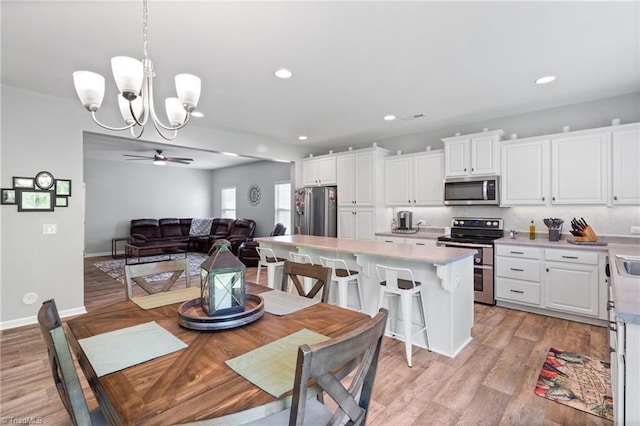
491,382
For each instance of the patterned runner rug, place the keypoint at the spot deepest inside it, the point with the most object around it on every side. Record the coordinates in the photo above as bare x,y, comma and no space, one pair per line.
115,268
577,381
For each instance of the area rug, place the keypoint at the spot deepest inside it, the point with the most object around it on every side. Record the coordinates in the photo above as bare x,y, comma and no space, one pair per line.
577,381
115,268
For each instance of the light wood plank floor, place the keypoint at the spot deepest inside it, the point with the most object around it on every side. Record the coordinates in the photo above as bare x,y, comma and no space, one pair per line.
491,382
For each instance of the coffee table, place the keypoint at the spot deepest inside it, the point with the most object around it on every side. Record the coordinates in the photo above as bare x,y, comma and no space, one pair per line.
133,250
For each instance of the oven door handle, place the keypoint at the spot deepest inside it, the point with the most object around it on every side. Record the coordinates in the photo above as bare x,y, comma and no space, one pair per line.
464,245
482,267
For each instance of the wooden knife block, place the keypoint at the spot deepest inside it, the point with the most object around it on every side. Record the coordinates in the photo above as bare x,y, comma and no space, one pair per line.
589,235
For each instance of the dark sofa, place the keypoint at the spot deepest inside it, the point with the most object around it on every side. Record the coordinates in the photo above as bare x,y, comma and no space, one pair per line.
174,229
247,252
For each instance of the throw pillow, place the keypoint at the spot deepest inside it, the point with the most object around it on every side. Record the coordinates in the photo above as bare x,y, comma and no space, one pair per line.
200,227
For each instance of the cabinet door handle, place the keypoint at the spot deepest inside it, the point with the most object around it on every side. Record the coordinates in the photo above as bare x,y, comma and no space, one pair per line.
613,326
547,269
569,257
516,252
420,244
542,198
517,269
516,291
553,198
465,169
414,201
615,197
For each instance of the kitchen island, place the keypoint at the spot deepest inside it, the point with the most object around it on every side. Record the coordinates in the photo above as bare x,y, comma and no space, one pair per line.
446,275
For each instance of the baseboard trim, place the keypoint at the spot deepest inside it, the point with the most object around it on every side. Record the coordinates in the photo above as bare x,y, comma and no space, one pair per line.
21,322
105,253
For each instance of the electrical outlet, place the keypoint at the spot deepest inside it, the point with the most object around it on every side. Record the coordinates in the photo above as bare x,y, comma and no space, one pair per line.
635,229
49,228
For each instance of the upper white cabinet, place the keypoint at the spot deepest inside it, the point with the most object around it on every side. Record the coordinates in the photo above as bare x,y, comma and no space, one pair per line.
357,177
319,171
525,173
626,165
414,179
579,167
475,154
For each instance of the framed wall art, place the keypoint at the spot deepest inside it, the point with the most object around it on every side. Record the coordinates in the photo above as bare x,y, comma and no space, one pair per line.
8,196
34,201
62,201
23,182
63,187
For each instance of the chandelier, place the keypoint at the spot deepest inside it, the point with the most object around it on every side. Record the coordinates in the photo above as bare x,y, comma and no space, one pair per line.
134,79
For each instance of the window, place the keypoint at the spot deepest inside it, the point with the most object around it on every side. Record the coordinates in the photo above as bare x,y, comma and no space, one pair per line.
228,201
283,204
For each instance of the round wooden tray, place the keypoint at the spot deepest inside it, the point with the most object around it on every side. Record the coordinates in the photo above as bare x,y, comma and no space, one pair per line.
191,315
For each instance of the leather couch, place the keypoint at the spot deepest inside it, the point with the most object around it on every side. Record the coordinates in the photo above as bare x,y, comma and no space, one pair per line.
247,252
174,229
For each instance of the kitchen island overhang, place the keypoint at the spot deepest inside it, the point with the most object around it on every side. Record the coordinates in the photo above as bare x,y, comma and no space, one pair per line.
446,275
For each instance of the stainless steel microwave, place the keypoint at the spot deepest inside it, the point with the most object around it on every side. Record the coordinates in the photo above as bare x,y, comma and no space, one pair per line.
463,191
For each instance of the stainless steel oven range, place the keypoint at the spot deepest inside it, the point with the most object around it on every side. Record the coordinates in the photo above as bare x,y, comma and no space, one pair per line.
478,234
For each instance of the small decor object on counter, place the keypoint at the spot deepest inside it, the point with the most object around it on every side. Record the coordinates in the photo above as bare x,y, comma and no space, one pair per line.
582,231
222,283
532,231
555,228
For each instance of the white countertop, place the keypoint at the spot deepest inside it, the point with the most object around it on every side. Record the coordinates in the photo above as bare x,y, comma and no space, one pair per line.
626,289
434,255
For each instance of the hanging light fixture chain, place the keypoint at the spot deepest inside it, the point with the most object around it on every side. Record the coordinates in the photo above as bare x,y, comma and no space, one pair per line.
144,28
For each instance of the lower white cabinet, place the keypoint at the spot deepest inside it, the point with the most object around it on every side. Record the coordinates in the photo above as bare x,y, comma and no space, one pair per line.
428,242
553,280
572,281
356,223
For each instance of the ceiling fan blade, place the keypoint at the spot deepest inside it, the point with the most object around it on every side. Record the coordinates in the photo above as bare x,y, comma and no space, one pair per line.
138,156
137,159
179,158
174,160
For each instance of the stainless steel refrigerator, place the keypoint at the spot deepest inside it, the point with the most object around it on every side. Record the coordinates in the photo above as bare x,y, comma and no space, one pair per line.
316,211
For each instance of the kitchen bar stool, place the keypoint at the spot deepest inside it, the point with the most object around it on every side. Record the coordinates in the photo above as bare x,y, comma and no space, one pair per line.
303,258
405,289
342,276
269,260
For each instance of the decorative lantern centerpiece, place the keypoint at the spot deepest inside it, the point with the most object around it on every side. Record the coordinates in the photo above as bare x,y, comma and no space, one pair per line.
222,283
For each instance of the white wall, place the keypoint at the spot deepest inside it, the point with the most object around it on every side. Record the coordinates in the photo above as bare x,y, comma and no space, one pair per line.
265,174
117,192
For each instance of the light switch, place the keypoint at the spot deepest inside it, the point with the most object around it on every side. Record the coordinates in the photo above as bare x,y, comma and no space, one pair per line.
49,228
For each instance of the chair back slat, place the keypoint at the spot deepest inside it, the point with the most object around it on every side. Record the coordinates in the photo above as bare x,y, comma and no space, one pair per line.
300,257
139,274
296,272
63,370
328,362
391,276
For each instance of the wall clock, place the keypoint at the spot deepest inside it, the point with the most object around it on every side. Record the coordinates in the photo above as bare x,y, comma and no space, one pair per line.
44,180
254,194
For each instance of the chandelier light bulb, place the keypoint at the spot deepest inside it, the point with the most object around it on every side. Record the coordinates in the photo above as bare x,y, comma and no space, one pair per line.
90,89
175,111
125,109
188,89
128,74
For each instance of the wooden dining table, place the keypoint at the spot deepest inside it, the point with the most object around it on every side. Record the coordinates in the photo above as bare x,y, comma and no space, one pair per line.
194,384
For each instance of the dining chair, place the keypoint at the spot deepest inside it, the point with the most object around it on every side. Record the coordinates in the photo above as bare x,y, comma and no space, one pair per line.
328,364
399,283
296,273
146,275
65,375
269,260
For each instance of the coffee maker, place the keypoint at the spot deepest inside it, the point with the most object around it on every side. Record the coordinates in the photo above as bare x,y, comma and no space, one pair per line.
405,219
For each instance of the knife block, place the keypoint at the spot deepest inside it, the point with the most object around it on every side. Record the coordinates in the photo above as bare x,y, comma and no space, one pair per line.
589,235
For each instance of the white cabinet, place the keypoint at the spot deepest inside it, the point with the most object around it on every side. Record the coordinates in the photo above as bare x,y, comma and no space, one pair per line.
319,171
475,154
517,271
579,167
356,223
551,280
356,178
414,179
360,179
525,173
427,242
572,281
626,165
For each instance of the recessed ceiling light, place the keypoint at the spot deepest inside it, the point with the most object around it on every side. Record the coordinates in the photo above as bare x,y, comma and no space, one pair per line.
546,79
302,138
283,73
197,114
389,117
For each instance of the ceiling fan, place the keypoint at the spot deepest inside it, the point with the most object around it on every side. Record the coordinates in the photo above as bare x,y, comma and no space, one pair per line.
159,159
